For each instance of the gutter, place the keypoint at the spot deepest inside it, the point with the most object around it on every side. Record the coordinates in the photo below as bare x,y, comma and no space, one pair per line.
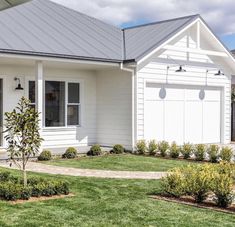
134,102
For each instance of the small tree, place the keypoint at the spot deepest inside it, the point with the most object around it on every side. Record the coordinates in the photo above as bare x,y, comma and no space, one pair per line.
23,136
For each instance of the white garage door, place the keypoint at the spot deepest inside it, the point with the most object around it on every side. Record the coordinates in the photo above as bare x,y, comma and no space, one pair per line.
182,114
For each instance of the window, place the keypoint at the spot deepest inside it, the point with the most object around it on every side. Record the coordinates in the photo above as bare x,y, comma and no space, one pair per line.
58,103
73,104
32,93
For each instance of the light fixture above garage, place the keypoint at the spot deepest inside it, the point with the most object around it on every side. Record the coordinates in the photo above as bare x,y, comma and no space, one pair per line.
219,73
19,87
180,69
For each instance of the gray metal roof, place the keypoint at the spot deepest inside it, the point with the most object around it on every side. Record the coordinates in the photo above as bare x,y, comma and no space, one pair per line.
140,40
44,28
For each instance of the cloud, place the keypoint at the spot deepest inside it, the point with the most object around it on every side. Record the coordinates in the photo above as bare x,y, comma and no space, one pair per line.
219,14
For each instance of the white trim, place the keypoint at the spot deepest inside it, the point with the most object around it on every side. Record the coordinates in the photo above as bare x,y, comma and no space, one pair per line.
3,78
198,35
58,59
197,51
167,41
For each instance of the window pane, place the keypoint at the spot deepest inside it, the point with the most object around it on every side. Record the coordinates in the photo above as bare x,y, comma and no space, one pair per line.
73,115
32,91
54,103
73,93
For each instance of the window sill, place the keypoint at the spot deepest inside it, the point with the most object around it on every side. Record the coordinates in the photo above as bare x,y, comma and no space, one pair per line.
61,128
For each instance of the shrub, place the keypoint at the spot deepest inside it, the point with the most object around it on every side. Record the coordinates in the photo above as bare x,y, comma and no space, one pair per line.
95,150
222,187
70,153
45,156
4,176
213,152
62,187
200,152
174,150
198,181
10,191
187,150
173,183
141,147
152,147
163,148
118,149
226,153
26,193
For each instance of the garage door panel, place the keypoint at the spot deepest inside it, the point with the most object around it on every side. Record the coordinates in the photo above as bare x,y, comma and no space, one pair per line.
193,122
174,121
184,114
211,118
154,124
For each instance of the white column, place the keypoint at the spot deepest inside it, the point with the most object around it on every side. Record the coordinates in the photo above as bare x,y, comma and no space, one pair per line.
39,90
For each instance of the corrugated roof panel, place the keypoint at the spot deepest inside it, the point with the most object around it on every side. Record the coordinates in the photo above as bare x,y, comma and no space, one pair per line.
43,27
140,39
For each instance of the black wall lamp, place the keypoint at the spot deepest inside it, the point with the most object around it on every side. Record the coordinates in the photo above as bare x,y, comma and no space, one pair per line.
19,87
180,69
219,73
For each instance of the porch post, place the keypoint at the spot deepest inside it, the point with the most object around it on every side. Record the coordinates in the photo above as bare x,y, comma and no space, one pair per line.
39,91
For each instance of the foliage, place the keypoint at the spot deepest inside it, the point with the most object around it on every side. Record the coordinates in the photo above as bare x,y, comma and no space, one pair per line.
163,147
213,152
95,150
23,137
152,147
70,153
141,147
13,190
200,152
45,155
118,149
187,150
198,182
226,153
173,183
174,150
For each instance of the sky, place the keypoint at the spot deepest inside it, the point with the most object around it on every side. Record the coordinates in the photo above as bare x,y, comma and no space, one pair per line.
219,14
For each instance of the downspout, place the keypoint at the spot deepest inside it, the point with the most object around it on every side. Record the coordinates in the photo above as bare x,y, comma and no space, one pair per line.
134,103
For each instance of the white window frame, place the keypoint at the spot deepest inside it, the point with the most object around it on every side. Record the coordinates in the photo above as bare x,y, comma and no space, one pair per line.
67,81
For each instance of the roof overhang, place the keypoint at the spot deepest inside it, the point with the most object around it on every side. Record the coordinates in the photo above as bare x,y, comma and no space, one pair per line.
220,50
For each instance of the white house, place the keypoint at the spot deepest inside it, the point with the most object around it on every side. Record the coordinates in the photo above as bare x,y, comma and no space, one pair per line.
96,83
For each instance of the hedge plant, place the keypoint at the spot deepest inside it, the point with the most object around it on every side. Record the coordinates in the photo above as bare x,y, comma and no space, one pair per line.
152,147
118,149
226,153
213,153
187,150
174,150
141,147
163,147
95,150
200,152
45,156
70,153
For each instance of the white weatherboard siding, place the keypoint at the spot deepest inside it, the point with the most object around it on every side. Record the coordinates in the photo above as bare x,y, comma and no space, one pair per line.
61,136
182,116
114,123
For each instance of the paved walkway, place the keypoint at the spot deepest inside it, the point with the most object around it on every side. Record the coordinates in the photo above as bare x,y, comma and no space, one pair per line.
42,168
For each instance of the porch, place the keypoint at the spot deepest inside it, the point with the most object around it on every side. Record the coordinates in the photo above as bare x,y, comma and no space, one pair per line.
82,103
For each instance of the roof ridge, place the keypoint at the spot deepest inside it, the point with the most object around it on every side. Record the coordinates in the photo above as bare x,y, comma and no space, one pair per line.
163,21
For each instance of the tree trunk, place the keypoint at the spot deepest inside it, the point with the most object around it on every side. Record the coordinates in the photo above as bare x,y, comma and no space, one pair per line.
25,176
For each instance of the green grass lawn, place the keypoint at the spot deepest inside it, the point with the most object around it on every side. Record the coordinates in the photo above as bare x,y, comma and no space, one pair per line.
121,162
107,202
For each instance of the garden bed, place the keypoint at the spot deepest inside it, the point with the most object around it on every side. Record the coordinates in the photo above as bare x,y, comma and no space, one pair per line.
42,198
187,200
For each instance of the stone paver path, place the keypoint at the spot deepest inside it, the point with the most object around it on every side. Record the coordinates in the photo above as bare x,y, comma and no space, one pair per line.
42,168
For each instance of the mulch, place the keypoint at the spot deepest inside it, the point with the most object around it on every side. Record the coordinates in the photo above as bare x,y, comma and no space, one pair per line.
186,200
42,198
